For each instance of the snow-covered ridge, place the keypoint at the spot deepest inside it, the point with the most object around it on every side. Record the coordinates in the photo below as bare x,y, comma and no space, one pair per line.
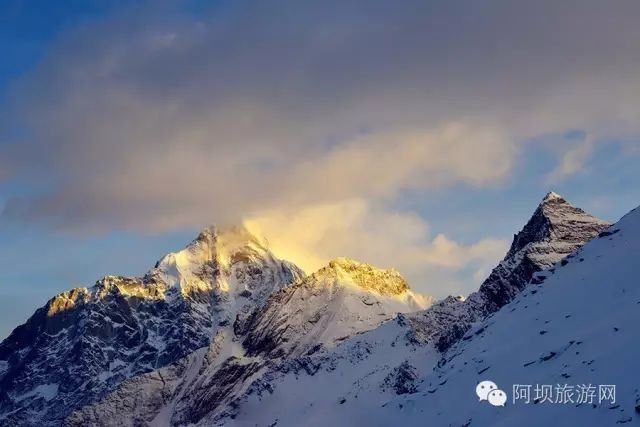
574,324
317,313
383,282
338,301
200,315
86,341
388,283
555,230
222,332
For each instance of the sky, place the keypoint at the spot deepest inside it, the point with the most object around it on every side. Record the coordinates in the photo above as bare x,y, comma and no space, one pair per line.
418,135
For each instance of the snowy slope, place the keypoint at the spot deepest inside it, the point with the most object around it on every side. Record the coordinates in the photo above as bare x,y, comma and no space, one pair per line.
335,386
340,300
554,231
256,346
286,367
86,341
337,302
577,325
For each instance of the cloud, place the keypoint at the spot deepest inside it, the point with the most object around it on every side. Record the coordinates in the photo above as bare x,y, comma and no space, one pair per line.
574,159
448,253
382,163
375,234
190,181
158,119
172,119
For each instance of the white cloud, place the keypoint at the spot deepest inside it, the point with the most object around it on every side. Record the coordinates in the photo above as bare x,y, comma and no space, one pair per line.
380,164
573,160
357,229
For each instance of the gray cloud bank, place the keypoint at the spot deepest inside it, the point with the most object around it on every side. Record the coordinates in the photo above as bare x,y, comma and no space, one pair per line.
160,120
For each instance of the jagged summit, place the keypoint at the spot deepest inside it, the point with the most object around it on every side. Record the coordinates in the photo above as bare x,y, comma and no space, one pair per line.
215,249
344,298
221,244
552,196
228,237
83,343
348,271
554,231
556,220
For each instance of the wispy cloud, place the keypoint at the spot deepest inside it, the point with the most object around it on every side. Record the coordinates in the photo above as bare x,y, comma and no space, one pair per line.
573,159
355,228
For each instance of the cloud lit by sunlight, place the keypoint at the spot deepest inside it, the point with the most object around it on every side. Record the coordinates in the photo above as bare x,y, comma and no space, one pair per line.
356,229
313,120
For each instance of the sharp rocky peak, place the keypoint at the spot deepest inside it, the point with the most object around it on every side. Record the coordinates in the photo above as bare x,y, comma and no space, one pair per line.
384,282
555,219
214,248
238,234
556,229
225,241
553,196
127,326
344,298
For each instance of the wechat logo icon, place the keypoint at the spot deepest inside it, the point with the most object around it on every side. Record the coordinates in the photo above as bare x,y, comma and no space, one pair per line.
489,391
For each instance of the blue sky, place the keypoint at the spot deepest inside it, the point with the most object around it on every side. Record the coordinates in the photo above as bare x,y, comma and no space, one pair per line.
419,136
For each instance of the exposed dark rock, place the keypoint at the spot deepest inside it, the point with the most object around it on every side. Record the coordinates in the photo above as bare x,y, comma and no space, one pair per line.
403,379
87,341
554,232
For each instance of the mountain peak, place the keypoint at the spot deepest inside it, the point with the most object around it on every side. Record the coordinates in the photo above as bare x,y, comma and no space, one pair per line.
229,236
344,298
348,264
556,219
345,270
219,244
181,305
555,230
553,197
216,249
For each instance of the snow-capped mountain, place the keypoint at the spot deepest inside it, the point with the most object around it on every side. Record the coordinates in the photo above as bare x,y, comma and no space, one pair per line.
573,326
242,338
201,317
86,341
296,351
341,300
337,302
573,330
555,230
